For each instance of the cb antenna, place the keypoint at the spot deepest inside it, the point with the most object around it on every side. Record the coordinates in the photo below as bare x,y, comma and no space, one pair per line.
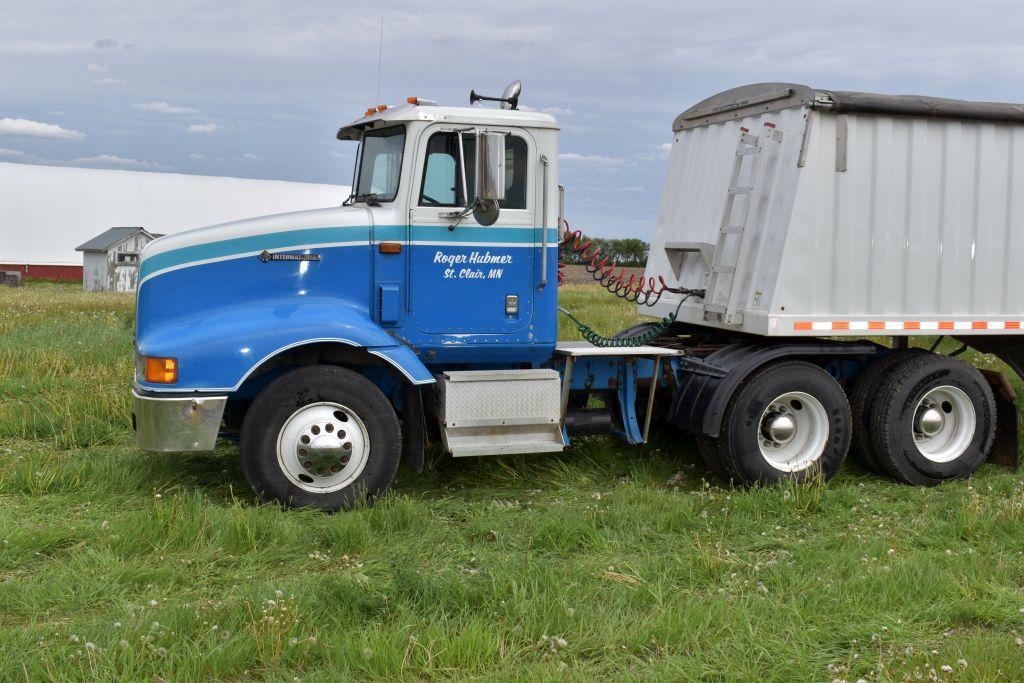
380,57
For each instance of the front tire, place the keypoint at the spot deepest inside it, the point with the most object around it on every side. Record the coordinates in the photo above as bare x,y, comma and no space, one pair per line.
322,437
789,421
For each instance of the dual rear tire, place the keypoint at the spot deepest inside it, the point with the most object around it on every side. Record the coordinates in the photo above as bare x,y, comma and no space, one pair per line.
788,421
932,420
921,418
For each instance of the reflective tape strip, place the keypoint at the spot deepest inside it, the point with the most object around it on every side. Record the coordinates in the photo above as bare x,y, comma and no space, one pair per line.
903,325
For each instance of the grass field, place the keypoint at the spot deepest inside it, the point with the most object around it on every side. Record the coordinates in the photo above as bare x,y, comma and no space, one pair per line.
602,563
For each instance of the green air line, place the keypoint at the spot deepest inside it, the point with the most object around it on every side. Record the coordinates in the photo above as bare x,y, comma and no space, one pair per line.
650,335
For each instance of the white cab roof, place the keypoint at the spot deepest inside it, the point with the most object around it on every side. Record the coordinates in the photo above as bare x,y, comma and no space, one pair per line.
474,116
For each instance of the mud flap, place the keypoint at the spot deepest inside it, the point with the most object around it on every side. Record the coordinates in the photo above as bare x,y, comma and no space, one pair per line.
1005,450
414,429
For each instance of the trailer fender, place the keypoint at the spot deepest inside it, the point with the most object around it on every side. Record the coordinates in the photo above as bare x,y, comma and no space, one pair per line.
705,385
218,350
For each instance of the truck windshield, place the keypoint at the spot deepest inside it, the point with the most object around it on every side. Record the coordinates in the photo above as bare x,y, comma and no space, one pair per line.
380,165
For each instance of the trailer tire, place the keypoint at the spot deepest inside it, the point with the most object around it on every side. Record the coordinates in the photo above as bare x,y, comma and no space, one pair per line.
353,422
788,421
862,397
934,420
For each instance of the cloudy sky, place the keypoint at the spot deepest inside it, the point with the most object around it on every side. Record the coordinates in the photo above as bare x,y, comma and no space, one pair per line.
258,88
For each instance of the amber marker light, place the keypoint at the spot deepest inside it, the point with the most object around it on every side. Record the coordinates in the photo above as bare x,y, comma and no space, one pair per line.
161,370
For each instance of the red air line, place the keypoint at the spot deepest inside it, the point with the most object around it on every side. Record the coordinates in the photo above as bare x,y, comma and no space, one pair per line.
636,289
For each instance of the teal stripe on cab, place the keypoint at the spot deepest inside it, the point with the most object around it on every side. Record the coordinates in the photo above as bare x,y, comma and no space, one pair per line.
242,245
355,234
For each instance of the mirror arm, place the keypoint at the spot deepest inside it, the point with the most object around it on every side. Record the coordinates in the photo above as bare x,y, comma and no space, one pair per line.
544,226
462,164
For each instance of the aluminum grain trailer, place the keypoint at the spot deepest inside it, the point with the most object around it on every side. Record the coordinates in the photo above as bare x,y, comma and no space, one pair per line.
817,220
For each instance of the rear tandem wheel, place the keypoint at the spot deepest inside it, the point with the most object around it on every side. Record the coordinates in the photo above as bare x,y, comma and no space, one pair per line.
932,420
789,421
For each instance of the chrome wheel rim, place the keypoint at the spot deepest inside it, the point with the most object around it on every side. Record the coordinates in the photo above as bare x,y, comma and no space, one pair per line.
323,447
793,431
944,424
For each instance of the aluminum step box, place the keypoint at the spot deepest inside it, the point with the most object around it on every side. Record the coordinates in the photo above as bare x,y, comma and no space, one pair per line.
491,412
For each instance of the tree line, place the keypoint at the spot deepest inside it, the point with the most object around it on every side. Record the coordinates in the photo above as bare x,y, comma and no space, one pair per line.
630,251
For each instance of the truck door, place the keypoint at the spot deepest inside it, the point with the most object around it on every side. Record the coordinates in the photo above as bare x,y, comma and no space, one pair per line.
471,279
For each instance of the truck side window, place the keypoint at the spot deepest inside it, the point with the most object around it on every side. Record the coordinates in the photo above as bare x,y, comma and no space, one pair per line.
440,172
442,185
516,155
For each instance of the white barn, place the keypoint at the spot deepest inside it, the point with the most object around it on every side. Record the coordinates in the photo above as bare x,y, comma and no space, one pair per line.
47,211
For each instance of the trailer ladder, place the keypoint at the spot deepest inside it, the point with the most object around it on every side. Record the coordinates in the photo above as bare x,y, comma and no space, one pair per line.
723,291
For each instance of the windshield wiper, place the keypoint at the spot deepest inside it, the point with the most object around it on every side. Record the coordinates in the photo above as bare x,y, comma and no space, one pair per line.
371,198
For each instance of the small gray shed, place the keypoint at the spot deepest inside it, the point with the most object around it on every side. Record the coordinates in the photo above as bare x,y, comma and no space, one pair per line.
112,259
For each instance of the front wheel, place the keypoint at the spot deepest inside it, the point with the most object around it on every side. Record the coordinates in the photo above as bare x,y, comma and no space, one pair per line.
321,436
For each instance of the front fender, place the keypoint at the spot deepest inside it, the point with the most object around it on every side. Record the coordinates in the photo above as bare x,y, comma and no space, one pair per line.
217,349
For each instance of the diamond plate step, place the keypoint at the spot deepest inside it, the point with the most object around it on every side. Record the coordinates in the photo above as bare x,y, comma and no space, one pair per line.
490,412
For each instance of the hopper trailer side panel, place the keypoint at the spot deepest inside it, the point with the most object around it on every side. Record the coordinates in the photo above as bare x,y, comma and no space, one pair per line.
872,223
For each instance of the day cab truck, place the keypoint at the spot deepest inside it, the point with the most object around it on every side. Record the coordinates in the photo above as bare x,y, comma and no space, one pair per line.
805,237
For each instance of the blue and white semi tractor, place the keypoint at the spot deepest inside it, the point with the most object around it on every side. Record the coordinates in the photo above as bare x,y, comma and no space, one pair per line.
799,229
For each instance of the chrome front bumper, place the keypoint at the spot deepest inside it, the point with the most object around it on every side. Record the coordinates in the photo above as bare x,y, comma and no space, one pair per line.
177,424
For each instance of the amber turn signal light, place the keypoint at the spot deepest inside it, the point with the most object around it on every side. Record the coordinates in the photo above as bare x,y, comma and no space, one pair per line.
162,370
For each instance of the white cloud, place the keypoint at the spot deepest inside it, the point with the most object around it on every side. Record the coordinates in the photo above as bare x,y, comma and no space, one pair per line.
37,129
250,156
202,128
557,111
11,153
114,160
197,156
109,81
97,68
164,108
591,159
111,44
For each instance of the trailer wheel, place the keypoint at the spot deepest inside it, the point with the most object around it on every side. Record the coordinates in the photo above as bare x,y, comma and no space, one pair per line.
934,420
791,420
862,397
322,437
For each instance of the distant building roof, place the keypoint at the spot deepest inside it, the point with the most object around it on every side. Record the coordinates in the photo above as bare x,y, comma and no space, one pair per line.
109,238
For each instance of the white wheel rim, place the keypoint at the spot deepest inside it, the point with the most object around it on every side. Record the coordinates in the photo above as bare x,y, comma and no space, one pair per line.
944,424
793,431
323,447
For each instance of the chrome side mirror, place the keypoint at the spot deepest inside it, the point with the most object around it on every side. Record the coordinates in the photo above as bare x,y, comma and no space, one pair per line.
490,165
490,177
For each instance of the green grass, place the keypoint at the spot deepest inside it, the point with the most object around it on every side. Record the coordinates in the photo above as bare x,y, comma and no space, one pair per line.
602,563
